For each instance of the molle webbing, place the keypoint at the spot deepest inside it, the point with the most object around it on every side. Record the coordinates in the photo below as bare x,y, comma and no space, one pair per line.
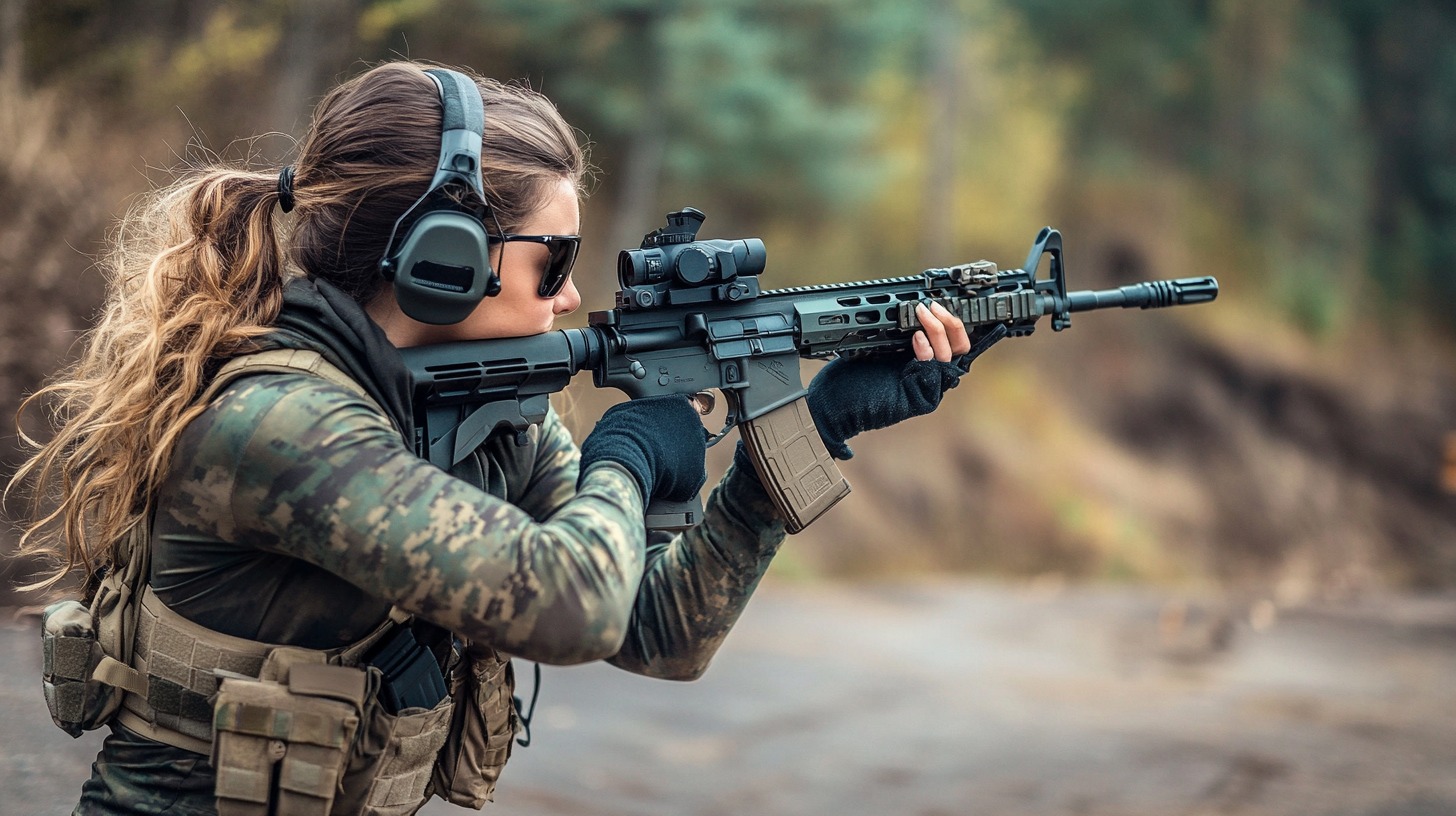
178,659
179,663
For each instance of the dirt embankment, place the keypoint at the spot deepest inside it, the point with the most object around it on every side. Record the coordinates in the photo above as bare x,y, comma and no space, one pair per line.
1339,476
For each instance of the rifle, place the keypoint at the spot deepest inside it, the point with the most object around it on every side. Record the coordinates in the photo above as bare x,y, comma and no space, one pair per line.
690,316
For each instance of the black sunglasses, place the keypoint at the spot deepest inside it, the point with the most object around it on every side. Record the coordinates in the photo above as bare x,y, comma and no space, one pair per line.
563,250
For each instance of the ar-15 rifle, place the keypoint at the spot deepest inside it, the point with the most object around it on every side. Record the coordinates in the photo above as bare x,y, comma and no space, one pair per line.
690,316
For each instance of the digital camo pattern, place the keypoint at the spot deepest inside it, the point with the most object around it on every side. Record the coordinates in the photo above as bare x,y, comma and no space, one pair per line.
295,514
697,583
133,775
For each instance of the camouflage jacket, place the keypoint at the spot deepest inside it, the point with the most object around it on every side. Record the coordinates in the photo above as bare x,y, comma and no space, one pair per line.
294,513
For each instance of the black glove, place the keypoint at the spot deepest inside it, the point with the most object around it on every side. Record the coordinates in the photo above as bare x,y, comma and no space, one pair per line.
849,397
659,440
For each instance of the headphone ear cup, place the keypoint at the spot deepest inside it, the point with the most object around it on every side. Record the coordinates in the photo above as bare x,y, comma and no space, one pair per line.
442,269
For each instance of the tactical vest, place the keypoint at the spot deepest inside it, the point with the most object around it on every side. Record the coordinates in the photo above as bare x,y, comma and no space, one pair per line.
290,731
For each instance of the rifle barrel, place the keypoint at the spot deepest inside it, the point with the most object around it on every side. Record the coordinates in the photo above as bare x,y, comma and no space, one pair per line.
1149,295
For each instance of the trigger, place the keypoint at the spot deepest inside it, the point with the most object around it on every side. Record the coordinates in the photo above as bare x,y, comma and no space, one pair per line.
704,401
728,423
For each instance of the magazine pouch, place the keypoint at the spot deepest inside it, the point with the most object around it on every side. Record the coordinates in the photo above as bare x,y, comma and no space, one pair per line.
389,772
86,649
281,746
77,702
482,683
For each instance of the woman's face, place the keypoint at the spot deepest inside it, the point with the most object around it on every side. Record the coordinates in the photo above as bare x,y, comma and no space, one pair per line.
518,311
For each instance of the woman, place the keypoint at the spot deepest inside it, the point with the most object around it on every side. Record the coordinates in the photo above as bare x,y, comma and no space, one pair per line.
286,508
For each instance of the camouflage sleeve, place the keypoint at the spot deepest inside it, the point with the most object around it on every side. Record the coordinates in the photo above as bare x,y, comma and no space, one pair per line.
324,478
697,584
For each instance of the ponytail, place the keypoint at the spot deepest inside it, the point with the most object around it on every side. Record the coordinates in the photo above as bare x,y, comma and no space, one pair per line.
195,275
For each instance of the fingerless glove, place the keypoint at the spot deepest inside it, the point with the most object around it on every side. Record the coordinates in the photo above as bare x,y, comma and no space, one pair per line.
848,397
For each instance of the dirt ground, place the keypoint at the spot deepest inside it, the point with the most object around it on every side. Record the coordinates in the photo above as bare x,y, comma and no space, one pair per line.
960,698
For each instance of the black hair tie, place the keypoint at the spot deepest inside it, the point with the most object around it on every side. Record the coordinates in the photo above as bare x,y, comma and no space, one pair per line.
285,188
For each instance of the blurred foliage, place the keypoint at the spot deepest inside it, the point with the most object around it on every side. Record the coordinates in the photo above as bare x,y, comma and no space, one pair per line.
1328,129
1324,131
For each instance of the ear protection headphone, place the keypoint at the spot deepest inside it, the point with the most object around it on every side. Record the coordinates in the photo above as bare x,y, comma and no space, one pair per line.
441,268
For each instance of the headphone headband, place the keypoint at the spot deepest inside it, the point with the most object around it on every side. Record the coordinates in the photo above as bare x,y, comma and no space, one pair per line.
461,132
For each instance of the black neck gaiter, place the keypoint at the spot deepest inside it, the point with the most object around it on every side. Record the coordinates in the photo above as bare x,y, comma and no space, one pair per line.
317,316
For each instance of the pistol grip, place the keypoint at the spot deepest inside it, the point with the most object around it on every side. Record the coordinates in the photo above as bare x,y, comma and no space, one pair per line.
673,516
799,474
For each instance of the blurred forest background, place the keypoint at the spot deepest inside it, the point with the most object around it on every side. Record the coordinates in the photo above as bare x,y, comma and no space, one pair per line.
1296,439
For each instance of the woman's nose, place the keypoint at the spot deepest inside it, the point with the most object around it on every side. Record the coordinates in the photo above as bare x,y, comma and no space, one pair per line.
567,300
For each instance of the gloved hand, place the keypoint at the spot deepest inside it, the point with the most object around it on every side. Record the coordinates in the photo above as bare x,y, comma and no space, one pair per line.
659,440
848,397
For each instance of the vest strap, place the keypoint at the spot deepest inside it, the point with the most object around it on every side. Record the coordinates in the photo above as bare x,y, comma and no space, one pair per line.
284,361
115,673
138,725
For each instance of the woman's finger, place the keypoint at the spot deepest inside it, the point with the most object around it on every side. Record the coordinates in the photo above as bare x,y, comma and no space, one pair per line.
934,332
921,347
955,330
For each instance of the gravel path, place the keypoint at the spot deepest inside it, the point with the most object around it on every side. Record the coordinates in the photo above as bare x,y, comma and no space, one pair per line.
959,698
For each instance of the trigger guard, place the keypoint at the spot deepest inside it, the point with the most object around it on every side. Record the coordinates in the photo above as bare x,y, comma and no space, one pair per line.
728,423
